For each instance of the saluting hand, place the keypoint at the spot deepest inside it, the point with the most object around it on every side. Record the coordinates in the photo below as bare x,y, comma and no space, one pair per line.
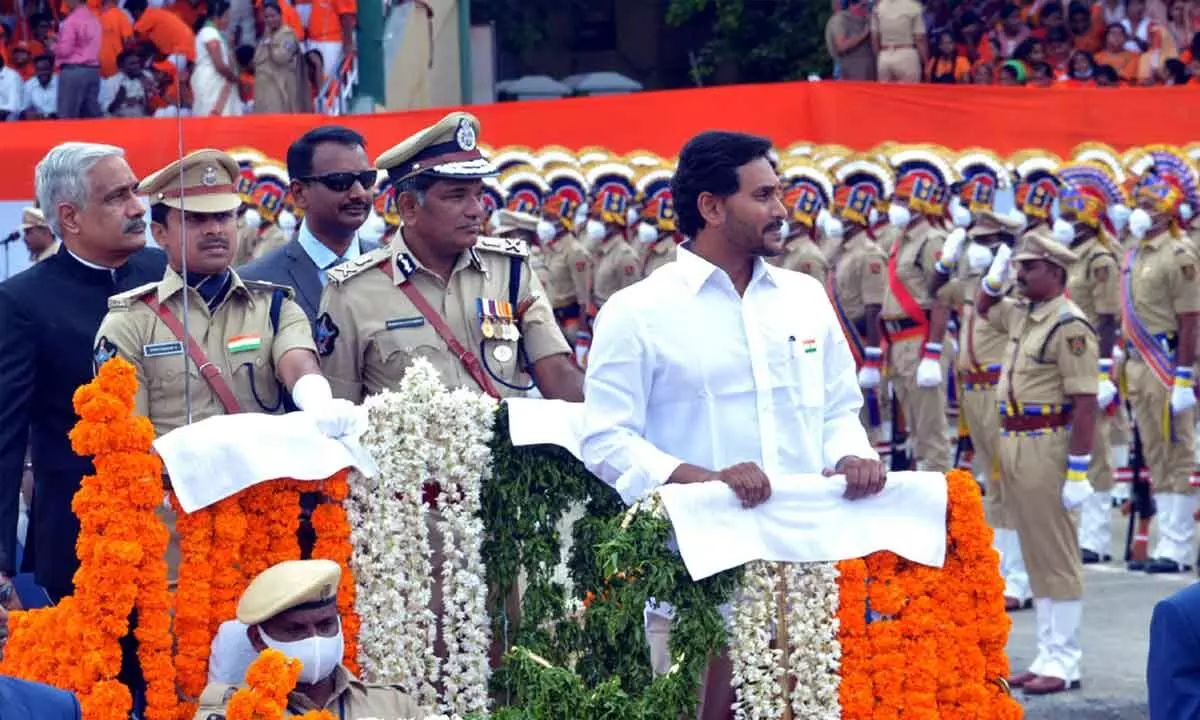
864,477
748,482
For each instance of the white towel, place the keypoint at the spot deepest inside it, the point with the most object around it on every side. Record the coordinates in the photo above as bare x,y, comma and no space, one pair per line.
535,421
215,458
807,520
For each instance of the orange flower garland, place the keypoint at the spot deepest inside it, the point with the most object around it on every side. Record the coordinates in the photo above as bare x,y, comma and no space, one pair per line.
938,651
333,543
193,602
229,530
269,680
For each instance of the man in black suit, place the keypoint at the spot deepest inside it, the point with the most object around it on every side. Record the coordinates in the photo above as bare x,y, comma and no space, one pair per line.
24,700
49,315
333,181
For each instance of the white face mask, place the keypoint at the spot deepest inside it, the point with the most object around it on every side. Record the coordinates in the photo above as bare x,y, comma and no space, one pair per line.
595,230
253,219
1063,231
1139,223
647,233
319,655
899,215
546,231
834,229
959,214
631,216
785,230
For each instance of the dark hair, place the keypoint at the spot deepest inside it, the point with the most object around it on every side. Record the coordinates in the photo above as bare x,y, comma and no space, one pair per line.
418,184
47,57
1107,72
1025,49
273,5
1196,45
1119,26
1011,70
1049,9
1009,10
159,212
709,163
1078,8
245,56
1042,68
1086,56
1177,70
969,17
300,153
135,7
1057,35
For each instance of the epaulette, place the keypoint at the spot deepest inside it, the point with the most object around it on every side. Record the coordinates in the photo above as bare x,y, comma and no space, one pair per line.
362,263
263,286
125,300
514,247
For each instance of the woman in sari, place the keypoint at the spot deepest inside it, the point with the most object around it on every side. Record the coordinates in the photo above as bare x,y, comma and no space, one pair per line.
214,80
280,77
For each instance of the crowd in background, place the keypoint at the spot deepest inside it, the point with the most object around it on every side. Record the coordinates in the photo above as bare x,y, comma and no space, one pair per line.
144,58
1042,43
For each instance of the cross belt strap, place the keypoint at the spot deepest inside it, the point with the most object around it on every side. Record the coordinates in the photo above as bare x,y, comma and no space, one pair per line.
210,372
468,359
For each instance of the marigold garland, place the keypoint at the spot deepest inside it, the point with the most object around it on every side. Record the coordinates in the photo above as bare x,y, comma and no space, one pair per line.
193,604
269,680
333,543
229,530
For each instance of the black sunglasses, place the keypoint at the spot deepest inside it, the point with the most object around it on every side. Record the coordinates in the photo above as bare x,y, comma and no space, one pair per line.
343,181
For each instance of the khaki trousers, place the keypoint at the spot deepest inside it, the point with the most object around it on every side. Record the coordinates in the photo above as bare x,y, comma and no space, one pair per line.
1170,462
1100,472
924,408
899,65
1035,468
979,409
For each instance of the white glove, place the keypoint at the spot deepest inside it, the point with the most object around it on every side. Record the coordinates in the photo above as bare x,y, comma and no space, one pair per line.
899,215
869,376
997,274
1107,391
1077,488
959,214
1118,354
951,250
336,418
929,371
1183,397
979,258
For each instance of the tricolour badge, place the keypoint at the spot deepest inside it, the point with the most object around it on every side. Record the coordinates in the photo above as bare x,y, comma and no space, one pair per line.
325,335
810,346
243,343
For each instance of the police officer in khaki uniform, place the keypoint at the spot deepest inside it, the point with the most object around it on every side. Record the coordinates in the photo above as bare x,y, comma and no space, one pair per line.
617,264
657,233
470,305
1047,396
292,607
522,226
568,262
981,352
1094,284
898,38
248,341
1161,299
39,239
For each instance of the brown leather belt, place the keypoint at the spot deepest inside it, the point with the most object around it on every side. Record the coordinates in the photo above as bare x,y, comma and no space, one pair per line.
1031,423
979,377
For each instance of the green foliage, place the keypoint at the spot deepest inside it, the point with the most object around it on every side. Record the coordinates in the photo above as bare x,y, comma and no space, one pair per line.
594,665
521,24
765,41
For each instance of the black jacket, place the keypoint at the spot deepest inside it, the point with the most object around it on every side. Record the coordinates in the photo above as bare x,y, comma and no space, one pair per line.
49,315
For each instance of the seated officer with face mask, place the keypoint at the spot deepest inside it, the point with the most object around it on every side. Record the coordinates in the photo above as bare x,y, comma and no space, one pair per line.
292,607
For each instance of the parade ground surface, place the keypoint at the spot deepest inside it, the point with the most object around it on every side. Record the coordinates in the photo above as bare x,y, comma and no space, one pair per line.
1116,636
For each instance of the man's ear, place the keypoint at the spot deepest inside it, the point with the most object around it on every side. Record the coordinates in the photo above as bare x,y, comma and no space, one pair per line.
712,209
299,194
255,638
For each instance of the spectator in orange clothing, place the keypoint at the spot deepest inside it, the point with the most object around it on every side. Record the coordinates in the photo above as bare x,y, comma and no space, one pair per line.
947,65
22,60
116,33
1122,61
331,32
191,13
1049,17
1087,36
171,37
42,28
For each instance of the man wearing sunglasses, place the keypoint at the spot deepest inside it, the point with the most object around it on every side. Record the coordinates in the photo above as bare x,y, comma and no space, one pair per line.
333,182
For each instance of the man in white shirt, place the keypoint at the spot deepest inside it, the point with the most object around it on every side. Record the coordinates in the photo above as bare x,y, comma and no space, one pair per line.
721,367
40,97
10,92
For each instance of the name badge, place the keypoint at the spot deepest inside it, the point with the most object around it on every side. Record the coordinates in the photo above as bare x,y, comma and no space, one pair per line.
162,349
403,323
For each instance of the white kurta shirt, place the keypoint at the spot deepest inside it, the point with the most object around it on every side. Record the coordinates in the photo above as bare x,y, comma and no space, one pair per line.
683,370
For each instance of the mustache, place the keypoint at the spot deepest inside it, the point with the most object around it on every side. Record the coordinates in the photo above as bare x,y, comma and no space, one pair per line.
213,242
135,226
356,206
776,226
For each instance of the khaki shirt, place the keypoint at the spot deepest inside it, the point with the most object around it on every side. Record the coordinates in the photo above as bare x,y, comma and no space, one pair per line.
860,276
803,255
369,332
1052,352
247,242
48,252
269,239
617,266
980,344
887,236
659,254
570,268
537,261
158,356
898,22
920,249
1094,281
1164,284
351,700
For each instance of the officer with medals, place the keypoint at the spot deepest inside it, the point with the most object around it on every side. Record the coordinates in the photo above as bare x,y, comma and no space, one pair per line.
656,233
617,263
471,305
802,252
1086,196
568,263
1159,307
249,342
1047,394
292,607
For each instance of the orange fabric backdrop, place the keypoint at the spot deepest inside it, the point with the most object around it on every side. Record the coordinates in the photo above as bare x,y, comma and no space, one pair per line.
855,114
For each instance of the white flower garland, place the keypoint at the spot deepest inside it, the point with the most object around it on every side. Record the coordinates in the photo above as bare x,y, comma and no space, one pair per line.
813,652
423,433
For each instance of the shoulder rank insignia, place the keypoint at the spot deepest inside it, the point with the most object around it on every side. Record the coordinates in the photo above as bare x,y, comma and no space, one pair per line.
505,246
406,265
341,273
268,287
1077,344
1100,273
325,334
105,351
125,300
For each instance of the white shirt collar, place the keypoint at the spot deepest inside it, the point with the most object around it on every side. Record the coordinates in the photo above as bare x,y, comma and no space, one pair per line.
322,256
696,271
92,265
